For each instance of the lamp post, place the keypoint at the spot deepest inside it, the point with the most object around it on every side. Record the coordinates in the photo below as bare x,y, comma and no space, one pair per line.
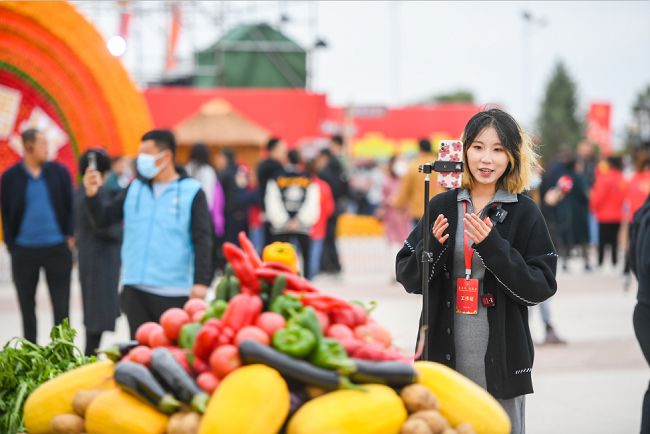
530,23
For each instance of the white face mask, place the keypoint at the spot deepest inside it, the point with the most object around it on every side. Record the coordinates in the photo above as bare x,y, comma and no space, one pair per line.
400,167
146,164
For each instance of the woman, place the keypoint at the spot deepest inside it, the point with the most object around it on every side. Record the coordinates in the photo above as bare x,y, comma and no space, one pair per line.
397,222
606,201
510,261
99,261
573,215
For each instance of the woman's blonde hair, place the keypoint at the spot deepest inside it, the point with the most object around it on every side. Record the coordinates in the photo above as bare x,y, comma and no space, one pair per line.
519,146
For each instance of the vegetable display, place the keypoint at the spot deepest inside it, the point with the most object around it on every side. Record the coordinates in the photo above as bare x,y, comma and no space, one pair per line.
25,366
270,354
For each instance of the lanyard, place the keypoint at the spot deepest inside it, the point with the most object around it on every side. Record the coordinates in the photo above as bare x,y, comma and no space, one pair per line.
469,253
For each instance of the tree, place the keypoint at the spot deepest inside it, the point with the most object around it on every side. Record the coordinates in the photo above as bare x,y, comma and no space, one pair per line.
458,96
558,121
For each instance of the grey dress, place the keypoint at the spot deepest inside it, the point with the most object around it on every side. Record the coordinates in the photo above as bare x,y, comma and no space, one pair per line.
472,331
99,266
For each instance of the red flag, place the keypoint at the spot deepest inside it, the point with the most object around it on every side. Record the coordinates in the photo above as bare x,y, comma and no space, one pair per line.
173,36
125,19
598,126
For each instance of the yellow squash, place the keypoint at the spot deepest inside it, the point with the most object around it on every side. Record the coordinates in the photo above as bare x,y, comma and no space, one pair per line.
378,411
116,412
253,399
462,400
55,396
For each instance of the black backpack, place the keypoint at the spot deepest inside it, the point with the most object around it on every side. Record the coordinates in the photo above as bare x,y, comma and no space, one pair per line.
635,228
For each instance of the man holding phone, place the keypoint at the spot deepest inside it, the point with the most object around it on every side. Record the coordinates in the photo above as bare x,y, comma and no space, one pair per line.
167,248
36,203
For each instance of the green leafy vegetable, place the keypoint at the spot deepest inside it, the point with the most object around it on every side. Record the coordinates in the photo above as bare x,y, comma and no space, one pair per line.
24,366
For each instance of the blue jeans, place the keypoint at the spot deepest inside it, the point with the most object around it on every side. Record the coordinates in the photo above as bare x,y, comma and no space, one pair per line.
314,257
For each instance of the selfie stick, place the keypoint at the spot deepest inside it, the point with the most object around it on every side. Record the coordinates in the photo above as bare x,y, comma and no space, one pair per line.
427,257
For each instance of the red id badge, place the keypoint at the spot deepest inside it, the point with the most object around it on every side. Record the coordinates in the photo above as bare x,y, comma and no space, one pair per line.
467,296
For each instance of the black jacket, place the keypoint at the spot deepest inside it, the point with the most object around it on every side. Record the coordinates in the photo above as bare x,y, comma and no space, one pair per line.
640,251
104,214
13,187
336,177
521,263
265,171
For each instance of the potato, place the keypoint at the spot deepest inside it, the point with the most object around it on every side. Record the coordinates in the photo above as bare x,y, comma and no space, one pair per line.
418,397
175,423
190,423
465,428
82,400
314,391
437,422
415,426
67,424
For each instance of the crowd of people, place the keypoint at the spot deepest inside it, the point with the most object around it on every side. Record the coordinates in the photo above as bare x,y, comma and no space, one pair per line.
157,229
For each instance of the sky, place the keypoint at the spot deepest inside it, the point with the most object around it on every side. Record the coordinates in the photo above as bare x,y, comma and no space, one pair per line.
399,53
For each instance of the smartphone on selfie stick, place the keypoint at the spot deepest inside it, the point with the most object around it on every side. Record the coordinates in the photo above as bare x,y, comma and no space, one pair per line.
450,167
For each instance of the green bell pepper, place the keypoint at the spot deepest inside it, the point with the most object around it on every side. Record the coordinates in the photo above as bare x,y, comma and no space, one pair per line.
215,310
308,319
284,303
294,341
330,354
187,334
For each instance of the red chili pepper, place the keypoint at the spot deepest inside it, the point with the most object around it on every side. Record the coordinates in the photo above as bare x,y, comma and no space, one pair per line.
242,311
278,266
248,248
241,265
343,316
324,302
226,336
294,282
206,339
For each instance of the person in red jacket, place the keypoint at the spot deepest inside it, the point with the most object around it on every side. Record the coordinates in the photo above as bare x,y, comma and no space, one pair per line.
638,189
607,197
319,229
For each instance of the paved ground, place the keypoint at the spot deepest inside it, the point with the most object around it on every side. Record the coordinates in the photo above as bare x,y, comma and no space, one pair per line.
594,384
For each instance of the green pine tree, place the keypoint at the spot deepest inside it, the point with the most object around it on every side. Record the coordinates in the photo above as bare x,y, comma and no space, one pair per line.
558,122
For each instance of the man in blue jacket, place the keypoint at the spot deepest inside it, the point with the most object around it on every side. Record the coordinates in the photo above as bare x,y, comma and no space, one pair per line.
36,204
166,252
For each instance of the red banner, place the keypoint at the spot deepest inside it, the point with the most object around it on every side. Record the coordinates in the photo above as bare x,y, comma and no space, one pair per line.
598,126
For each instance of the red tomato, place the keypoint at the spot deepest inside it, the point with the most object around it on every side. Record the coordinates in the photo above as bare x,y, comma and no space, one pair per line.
157,338
323,319
381,334
251,332
198,365
343,316
371,351
194,305
339,331
198,315
208,382
141,354
142,333
172,320
270,322
351,345
224,360
364,333
181,356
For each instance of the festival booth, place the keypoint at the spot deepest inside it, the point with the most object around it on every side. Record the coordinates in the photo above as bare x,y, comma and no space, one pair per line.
219,127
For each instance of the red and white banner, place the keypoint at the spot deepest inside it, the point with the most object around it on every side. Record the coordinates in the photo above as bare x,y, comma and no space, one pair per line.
599,128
